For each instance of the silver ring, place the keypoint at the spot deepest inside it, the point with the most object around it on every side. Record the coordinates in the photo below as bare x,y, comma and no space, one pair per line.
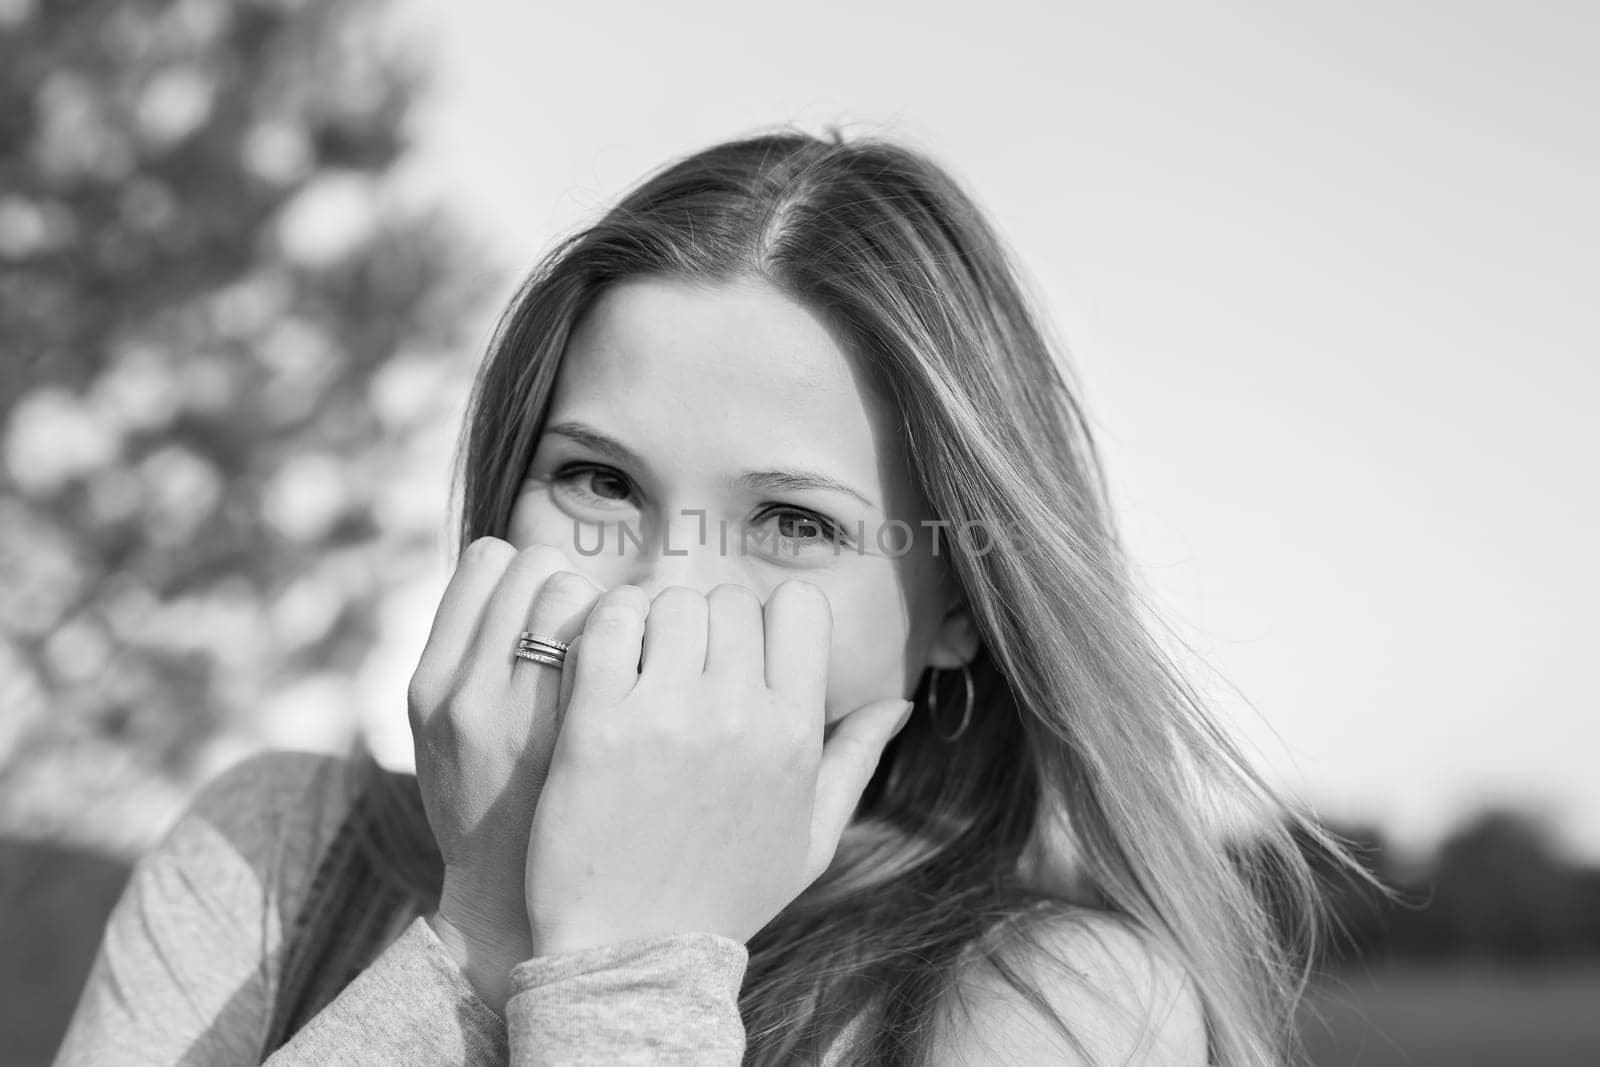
530,638
545,650
540,657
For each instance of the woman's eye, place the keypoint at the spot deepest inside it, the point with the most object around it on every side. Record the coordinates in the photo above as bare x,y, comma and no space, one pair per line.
806,527
604,485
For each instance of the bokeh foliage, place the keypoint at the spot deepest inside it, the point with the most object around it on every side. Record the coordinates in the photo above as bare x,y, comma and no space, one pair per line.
225,321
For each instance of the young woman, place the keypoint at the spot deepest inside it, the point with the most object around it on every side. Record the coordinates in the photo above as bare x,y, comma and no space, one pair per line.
773,446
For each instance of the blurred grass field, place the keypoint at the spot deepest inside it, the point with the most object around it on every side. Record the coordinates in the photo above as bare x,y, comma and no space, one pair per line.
1453,1016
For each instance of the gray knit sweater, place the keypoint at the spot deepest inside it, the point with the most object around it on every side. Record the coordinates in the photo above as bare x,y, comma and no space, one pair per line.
193,952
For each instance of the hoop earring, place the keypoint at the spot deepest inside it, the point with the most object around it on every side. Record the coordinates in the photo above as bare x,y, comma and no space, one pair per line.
933,704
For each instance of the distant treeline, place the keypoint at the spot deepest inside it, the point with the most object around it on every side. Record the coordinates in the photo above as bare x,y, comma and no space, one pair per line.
1496,890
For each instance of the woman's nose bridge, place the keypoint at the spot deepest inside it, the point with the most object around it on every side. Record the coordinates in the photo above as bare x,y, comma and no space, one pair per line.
687,552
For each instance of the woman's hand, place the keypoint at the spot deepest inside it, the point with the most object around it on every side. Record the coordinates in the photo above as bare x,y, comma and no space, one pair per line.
484,722
695,793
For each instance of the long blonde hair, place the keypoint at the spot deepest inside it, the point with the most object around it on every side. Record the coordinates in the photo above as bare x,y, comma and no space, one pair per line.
1090,766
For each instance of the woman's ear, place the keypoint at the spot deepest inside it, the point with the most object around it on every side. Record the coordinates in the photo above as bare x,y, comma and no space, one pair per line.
955,643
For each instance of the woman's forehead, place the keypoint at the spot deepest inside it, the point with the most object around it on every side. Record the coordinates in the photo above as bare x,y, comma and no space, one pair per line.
736,334
738,363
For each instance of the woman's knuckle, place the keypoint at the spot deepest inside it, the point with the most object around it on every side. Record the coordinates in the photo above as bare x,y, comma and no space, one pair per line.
426,687
487,548
451,709
733,596
567,587
611,616
802,595
423,691
800,587
537,560
606,623
679,600
631,596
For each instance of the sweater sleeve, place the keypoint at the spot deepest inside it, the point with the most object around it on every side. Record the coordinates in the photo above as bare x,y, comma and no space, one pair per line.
671,999
653,1001
411,1005
181,965
190,960
189,956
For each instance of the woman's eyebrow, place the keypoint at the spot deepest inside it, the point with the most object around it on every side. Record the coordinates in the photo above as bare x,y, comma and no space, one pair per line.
768,481
584,434
795,481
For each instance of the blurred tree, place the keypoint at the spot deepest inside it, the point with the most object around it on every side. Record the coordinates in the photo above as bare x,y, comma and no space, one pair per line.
1504,892
1497,890
223,327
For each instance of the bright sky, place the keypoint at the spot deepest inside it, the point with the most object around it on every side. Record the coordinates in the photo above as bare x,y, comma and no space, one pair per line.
1329,276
